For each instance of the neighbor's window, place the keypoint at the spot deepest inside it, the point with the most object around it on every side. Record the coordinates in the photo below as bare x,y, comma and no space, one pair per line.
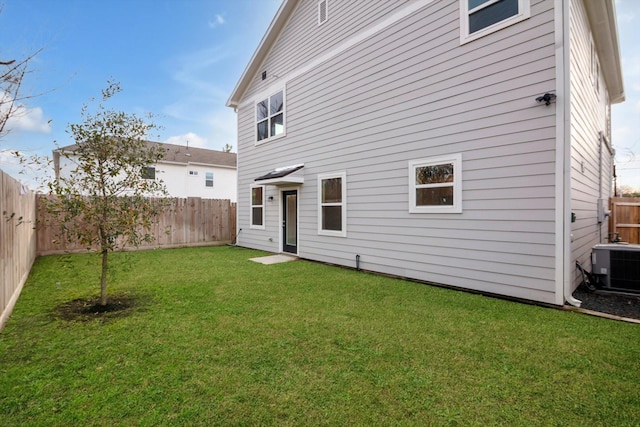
257,207
332,206
149,172
481,17
270,116
208,179
435,185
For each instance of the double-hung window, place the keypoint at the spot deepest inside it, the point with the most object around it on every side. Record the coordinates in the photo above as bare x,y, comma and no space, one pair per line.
208,179
435,185
257,207
481,17
332,204
270,116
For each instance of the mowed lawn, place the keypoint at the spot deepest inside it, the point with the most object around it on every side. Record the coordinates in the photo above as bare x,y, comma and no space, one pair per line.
218,340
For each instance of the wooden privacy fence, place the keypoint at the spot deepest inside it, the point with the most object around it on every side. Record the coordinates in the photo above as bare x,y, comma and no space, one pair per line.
625,218
17,241
185,222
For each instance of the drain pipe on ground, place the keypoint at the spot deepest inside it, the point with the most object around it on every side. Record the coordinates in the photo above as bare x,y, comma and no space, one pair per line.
568,295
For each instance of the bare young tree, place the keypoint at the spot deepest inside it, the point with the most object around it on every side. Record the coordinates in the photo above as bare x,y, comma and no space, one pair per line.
12,74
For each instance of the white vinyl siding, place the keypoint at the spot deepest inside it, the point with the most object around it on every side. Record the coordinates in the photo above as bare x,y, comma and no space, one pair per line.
332,204
407,92
479,18
591,158
441,193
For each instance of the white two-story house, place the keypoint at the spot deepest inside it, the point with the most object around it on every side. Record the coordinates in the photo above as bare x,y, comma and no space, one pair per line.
460,142
185,171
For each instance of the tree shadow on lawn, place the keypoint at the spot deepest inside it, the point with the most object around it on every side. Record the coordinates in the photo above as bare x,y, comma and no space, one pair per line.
89,309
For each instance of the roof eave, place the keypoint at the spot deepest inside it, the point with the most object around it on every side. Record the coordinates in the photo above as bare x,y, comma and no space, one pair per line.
278,22
602,16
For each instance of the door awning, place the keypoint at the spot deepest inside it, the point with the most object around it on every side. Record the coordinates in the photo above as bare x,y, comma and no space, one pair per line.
281,176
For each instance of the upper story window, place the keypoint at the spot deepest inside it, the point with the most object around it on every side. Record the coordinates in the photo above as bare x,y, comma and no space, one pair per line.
435,185
332,204
481,17
208,179
595,68
257,207
270,116
323,11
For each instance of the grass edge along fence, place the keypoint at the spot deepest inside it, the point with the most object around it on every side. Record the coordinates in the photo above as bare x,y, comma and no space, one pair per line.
17,241
185,222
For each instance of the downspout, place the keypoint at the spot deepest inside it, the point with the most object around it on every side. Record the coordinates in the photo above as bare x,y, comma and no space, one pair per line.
563,157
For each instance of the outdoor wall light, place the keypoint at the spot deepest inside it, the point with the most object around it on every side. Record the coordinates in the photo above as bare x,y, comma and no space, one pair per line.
546,98
270,198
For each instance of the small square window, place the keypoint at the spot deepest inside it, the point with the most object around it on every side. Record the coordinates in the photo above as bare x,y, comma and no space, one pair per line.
149,172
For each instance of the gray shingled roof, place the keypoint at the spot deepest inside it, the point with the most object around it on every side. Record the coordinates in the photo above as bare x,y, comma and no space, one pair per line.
183,154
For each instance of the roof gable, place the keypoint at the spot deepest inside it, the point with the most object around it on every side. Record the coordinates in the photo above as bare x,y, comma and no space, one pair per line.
273,32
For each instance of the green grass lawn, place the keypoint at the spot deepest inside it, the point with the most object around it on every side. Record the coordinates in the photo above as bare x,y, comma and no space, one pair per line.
219,340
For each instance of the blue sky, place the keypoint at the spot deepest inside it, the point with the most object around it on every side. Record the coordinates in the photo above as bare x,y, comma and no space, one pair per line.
180,60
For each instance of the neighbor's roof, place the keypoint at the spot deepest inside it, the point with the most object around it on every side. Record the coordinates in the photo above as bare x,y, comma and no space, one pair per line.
602,15
185,155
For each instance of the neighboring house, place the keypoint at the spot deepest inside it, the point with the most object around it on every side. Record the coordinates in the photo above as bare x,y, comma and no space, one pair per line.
186,171
461,142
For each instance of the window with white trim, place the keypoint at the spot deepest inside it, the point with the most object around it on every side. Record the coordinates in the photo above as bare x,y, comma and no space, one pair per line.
481,17
257,207
435,185
208,179
270,117
323,11
332,204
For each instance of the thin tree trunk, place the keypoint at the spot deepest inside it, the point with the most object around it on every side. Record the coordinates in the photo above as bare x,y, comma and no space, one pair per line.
103,278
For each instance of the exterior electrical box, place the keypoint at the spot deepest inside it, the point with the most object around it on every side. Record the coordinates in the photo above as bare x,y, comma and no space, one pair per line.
617,266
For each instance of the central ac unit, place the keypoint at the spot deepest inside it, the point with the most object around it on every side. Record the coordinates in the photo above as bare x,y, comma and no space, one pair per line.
617,266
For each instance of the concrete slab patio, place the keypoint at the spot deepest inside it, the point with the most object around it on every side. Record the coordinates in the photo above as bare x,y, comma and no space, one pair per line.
274,259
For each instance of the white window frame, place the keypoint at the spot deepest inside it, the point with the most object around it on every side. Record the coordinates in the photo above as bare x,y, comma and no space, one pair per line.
343,204
326,11
251,206
524,12
206,180
456,160
268,119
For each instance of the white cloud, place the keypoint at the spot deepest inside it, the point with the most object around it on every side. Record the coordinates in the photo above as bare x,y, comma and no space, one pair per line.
191,139
217,21
28,120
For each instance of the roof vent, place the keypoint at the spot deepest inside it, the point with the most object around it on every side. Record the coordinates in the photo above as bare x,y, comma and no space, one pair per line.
323,11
